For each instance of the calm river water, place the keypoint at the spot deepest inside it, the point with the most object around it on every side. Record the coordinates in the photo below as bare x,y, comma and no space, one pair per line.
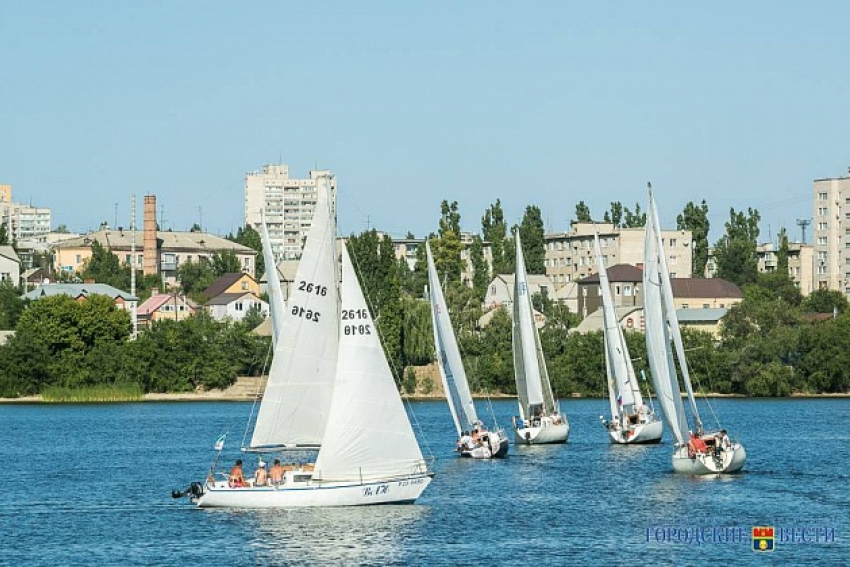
90,484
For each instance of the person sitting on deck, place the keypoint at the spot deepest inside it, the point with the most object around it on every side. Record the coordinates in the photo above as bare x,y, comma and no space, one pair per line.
260,476
236,478
276,472
696,445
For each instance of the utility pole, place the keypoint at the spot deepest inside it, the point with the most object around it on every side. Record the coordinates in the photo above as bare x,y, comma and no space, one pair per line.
133,264
803,223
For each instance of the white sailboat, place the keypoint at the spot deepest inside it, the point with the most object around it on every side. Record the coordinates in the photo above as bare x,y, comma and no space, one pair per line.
330,388
632,421
474,439
540,420
700,452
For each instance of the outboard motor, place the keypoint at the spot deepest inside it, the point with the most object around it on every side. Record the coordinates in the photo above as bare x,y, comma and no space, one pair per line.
196,489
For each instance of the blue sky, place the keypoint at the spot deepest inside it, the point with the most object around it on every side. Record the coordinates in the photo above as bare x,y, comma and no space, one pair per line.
410,103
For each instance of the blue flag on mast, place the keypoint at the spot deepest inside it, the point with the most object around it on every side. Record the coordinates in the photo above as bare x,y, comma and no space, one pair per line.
219,444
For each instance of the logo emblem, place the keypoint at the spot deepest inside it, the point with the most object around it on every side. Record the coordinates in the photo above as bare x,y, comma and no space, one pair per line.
762,538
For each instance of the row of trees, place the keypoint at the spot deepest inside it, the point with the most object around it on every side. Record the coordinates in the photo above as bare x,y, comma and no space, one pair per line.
70,344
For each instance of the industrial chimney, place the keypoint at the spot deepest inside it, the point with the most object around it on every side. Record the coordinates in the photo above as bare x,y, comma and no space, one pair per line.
151,257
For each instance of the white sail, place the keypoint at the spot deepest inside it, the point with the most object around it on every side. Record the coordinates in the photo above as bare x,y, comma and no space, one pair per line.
659,353
368,434
448,354
276,304
294,410
627,396
672,319
532,377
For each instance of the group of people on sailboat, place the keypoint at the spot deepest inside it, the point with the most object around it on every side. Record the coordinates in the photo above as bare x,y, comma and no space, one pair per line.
705,444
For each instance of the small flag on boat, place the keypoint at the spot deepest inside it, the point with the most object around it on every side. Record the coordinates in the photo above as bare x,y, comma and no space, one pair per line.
620,400
219,444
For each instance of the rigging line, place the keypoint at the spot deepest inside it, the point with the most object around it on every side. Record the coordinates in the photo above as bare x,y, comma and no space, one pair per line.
702,391
356,261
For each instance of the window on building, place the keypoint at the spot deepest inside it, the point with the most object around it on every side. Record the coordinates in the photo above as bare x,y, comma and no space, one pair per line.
821,196
244,286
822,226
822,255
617,289
822,240
238,306
627,290
821,269
705,306
685,306
672,243
822,211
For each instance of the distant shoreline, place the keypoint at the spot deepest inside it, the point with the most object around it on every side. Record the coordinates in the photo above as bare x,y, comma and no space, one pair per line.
222,396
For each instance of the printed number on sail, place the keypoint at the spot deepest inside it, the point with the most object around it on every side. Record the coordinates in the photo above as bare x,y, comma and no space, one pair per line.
313,288
308,314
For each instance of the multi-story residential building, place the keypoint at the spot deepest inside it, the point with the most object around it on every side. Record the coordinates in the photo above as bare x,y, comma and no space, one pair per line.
288,204
407,249
831,241
570,256
800,263
22,221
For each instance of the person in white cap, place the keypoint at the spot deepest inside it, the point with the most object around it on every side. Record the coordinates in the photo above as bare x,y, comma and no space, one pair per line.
261,476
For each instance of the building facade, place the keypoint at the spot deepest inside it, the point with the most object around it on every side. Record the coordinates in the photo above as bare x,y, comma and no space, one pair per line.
22,221
831,233
288,204
570,256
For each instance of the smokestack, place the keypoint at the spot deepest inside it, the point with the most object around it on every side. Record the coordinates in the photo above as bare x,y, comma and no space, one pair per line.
150,252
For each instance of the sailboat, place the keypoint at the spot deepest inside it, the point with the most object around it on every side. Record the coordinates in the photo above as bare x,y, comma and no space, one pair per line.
697,452
474,439
330,389
632,421
540,420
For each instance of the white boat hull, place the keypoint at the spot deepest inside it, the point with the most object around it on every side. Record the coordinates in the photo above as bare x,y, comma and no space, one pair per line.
542,435
729,461
642,433
498,448
315,494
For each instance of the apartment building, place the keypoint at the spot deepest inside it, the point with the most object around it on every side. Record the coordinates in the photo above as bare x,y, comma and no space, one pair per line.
570,256
288,203
22,221
831,240
408,248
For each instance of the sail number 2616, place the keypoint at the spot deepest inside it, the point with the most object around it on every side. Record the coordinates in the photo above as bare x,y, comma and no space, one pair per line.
313,288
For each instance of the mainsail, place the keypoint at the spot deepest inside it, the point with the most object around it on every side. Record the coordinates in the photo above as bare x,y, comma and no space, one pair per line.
661,363
448,354
276,303
368,433
672,319
532,378
626,395
294,410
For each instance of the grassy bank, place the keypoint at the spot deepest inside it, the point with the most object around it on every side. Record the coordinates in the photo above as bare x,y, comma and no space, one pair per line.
88,394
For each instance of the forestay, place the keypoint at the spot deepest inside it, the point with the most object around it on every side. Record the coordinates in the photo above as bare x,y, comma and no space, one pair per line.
661,363
294,410
448,354
368,434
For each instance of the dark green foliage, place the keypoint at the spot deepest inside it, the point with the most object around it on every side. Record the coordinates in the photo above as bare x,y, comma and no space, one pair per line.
583,212
225,262
735,253
826,301
480,271
247,236
495,231
533,244
194,278
11,306
695,218
104,267
634,219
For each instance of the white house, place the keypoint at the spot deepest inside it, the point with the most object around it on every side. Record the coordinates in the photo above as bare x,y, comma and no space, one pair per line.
10,266
501,289
235,305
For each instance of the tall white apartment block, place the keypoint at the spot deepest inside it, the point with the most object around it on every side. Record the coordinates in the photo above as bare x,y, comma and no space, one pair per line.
831,234
22,221
289,204
570,256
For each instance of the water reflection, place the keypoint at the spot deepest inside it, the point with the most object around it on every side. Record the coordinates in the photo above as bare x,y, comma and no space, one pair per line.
351,536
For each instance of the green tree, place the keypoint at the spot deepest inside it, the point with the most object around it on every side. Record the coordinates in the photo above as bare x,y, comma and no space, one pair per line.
735,252
61,229
695,219
480,271
615,216
104,267
634,219
533,242
494,230
194,278
247,236
825,301
225,262
583,212
448,248
11,306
